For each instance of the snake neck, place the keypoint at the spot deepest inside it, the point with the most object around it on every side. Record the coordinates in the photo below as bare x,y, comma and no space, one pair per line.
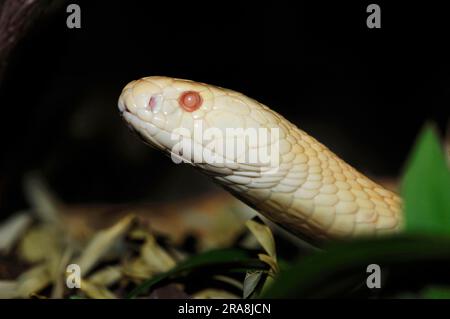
316,195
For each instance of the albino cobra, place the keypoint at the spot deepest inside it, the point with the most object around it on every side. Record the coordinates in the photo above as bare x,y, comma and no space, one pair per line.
313,193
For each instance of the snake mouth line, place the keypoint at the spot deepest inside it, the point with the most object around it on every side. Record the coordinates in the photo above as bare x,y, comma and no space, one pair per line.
147,133
133,122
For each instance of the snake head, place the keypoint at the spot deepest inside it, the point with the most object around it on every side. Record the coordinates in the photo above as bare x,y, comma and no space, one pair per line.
192,121
155,106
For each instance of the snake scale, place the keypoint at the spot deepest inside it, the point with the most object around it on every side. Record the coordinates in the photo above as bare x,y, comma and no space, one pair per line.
313,193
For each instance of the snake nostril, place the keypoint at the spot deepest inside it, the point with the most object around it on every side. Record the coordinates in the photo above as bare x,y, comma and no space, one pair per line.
152,103
155,103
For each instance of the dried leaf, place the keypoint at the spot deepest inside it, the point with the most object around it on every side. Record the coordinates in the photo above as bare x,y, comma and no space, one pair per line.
46,206
214,294
40,243
58,273
12,229
251,281
155,256
264,236
272,262
33,281
8,289
102,243
107,276
96,291
137,269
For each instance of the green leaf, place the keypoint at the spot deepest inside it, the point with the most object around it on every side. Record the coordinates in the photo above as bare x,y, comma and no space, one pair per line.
342,266
426,187
229,259
436,292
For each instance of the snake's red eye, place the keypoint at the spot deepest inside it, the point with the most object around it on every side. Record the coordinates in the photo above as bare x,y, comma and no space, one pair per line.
190,100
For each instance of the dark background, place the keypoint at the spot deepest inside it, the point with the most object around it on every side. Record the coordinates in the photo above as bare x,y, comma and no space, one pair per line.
363,92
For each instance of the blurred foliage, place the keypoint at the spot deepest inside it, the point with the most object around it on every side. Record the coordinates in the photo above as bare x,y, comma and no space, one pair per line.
128,259
426,187
340,270
258,267
436,292
230,260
